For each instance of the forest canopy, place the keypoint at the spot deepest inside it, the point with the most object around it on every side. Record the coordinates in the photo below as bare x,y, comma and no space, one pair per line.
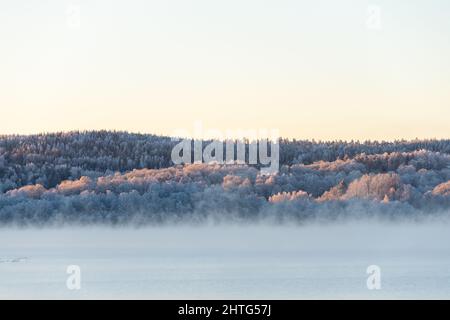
123,178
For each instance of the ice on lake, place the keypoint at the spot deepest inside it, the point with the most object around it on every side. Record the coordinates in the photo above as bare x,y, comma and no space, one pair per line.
228,262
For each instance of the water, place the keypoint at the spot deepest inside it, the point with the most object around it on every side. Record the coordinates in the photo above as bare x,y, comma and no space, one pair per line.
228,262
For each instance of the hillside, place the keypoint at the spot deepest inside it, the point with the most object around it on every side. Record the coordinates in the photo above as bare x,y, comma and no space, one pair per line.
118,177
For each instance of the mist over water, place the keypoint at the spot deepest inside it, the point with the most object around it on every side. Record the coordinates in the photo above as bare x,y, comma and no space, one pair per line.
229,261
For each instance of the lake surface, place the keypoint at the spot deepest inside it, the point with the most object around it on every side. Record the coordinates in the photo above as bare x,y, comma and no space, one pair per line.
228,262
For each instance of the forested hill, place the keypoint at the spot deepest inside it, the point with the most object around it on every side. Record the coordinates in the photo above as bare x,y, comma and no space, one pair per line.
122,178
49,159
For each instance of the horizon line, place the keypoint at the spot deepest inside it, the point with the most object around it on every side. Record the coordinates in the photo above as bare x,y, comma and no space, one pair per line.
160,135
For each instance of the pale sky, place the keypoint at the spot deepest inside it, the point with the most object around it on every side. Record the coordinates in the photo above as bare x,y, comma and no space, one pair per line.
322,69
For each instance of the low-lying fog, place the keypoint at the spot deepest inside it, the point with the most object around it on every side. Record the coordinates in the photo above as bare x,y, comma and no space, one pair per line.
250,262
